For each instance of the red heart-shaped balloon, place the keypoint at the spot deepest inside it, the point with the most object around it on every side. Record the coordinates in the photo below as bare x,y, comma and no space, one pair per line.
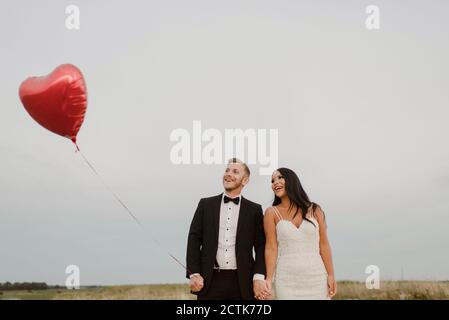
57,101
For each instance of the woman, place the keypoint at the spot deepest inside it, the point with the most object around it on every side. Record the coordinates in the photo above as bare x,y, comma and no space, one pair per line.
297,248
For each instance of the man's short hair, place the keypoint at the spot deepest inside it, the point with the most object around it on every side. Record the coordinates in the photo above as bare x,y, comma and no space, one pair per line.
245,167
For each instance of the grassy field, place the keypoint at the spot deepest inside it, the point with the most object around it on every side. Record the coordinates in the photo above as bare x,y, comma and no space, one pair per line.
389,290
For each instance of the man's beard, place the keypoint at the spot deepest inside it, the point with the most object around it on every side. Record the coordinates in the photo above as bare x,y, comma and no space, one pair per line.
237,185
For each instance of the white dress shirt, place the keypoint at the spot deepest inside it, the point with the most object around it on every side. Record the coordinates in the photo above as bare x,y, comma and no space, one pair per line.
229,216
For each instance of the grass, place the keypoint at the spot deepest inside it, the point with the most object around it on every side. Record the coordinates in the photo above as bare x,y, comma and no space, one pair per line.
389,290
395,290
29,294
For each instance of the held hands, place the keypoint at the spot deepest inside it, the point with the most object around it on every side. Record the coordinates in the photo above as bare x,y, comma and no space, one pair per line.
332,286
196,283
262,289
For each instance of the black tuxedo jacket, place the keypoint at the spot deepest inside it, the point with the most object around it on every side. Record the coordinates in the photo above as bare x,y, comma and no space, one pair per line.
202,243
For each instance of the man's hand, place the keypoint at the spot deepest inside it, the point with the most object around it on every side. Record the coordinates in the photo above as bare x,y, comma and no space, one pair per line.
196,283
261,290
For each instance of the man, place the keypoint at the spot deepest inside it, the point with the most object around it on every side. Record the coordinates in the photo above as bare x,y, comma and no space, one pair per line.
224,231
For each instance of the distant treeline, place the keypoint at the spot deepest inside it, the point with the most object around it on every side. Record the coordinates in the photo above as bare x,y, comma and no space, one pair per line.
23,286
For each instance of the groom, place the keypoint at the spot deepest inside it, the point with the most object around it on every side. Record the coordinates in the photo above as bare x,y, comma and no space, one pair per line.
223,233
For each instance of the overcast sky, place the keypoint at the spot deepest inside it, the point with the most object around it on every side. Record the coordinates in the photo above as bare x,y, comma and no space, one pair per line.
361,117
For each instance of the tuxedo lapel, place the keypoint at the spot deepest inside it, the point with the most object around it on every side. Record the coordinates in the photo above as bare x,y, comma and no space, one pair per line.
216,204
242,215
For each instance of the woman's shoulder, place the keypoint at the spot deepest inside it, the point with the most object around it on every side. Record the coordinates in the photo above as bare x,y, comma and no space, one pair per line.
316,211
271,212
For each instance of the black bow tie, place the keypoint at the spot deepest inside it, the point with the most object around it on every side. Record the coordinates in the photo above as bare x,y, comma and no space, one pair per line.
235,200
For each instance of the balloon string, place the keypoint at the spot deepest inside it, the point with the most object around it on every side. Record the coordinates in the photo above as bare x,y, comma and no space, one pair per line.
110,190
127,209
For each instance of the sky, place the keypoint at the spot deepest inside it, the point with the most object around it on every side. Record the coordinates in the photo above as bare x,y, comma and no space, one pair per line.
360,114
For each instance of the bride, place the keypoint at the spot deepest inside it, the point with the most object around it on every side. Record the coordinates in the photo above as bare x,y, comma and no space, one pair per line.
297,251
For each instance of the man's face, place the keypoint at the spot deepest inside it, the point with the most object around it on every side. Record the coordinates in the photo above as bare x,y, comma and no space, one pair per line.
234,177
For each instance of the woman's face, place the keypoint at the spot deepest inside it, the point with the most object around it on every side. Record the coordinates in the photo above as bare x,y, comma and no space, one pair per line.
278,184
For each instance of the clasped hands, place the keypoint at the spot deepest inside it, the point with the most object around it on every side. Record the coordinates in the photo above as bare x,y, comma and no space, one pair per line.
262,289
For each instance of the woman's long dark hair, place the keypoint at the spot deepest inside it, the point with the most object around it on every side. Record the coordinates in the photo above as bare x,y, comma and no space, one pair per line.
296,194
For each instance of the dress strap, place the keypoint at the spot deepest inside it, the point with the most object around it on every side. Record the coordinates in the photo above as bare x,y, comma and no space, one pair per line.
278,214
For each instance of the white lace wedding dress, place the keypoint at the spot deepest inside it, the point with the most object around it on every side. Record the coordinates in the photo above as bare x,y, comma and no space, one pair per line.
300,271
